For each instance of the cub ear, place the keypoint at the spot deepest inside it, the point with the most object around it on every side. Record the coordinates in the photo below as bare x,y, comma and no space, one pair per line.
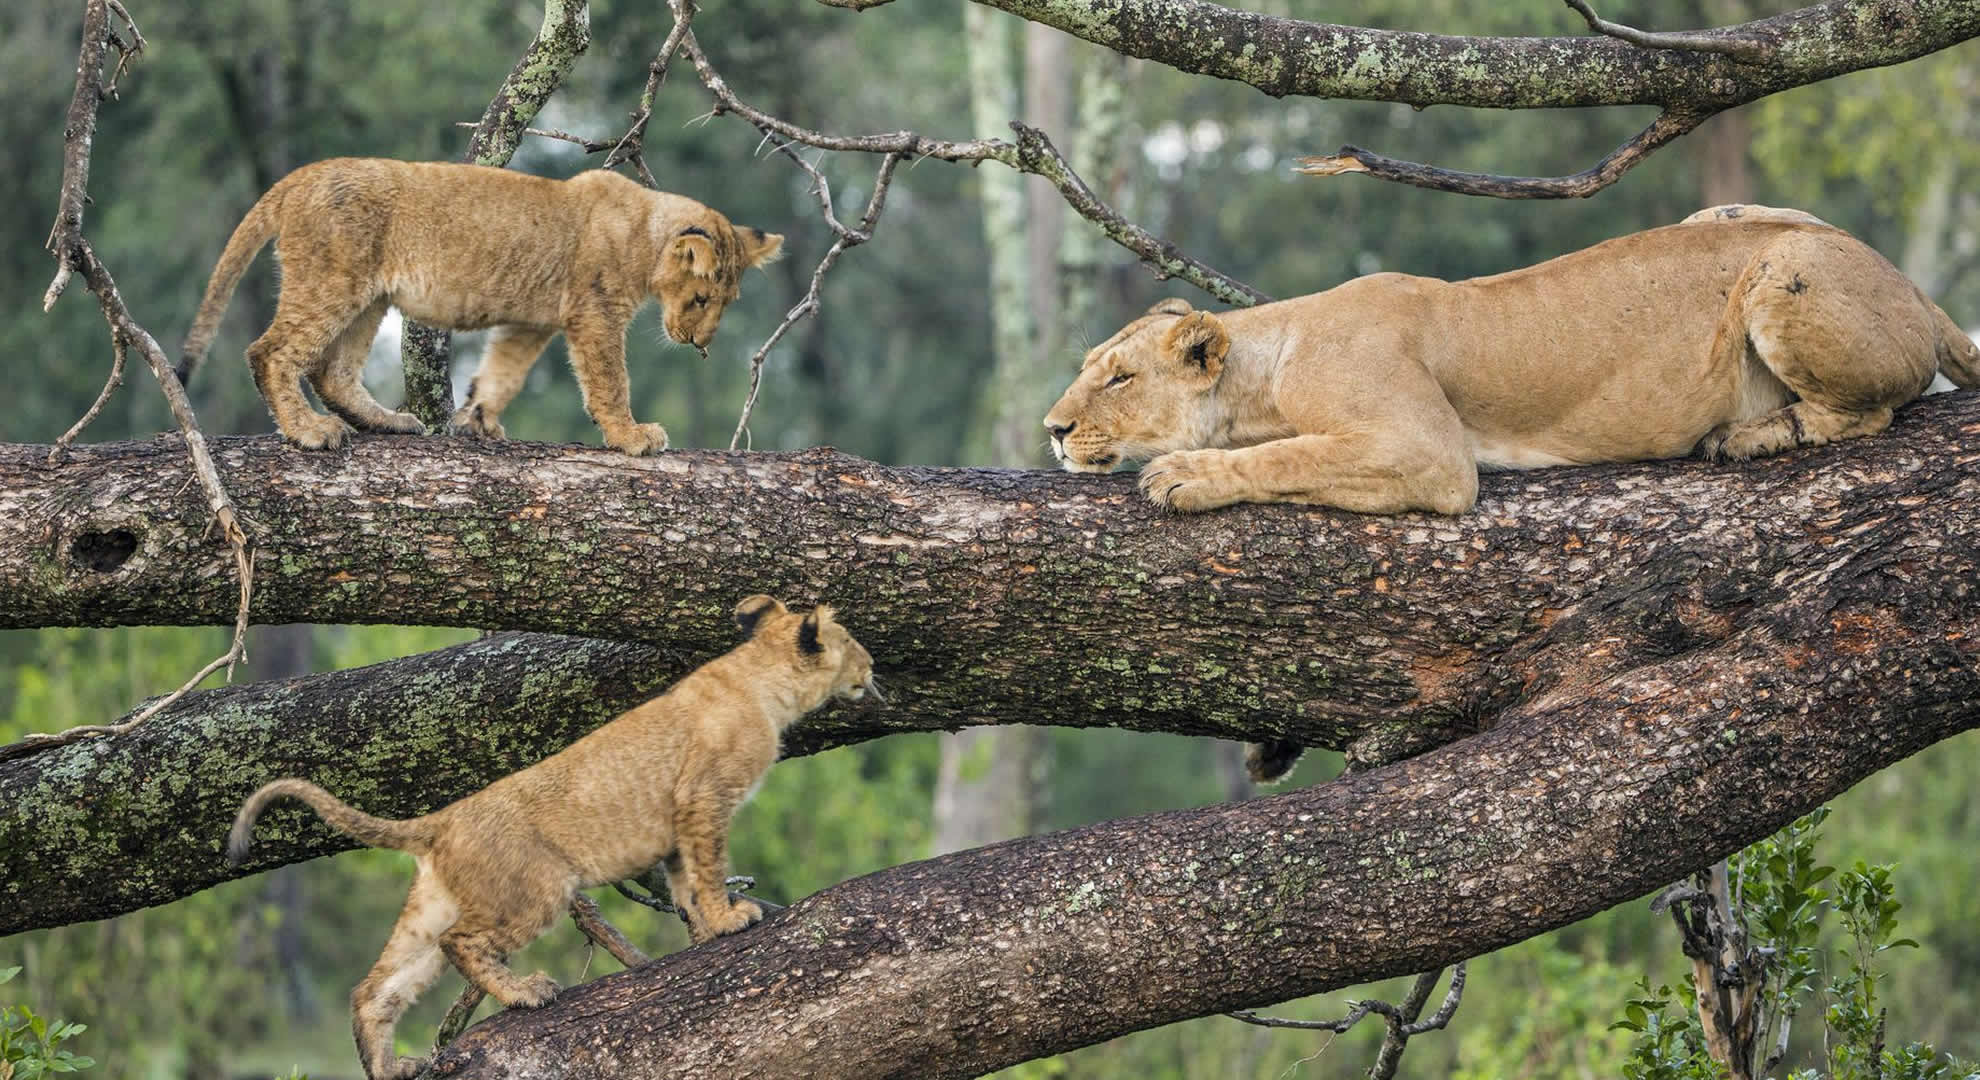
807,638
759,247
752,610
1174,305
695,251
1199,342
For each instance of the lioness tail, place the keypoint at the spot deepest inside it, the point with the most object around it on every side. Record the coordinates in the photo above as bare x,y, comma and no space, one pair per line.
412,835
250,236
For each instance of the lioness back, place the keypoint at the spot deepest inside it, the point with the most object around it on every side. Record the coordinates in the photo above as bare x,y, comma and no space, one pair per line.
470,247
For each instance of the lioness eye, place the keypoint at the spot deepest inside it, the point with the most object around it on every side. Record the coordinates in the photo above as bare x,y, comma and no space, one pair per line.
1120,378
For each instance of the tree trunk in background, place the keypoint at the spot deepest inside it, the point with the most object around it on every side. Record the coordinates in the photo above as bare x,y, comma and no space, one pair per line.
983,788
1047,82
1725,168
283,652
1096,155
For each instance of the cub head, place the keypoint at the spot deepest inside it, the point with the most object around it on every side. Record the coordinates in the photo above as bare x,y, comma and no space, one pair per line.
814,643
700,271
1143,392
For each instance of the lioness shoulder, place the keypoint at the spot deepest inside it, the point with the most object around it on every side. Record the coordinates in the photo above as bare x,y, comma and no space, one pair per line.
469,247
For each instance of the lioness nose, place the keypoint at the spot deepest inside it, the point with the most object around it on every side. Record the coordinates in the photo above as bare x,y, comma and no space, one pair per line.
1060,431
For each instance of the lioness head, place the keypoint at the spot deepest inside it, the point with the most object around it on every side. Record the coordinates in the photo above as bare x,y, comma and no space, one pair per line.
701,272
814,643
1142,392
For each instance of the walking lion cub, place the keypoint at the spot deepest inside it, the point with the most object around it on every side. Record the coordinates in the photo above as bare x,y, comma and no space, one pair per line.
1741,332
656,786
468,247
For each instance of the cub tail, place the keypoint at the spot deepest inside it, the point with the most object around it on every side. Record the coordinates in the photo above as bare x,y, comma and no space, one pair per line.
250,236
1959,357
413,834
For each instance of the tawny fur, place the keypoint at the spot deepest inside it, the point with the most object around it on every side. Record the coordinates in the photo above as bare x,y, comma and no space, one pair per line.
468,247
1741,332
656,786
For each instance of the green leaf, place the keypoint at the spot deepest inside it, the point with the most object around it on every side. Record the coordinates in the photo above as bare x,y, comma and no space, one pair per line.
8,973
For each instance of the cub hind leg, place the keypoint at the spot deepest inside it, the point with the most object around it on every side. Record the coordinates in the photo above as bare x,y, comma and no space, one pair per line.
511,352
409,963
512,906
339,380
1841,327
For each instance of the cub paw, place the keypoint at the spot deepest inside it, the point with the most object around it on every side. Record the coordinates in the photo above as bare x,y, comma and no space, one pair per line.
475,421
402,1068
740,915
1188,480
314,431
535,992
400,423
638,440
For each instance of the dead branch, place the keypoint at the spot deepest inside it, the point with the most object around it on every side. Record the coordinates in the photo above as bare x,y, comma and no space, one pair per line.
1400,1020
73,254
1353,159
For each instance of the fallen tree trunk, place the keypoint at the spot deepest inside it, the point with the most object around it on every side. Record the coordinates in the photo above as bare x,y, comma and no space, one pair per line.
987,597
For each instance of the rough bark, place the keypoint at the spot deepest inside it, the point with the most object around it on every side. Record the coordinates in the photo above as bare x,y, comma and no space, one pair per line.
986,595
978,960
1283,56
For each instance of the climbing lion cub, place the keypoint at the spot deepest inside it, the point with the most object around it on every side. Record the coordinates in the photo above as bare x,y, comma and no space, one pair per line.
654,786
467,247
1740,332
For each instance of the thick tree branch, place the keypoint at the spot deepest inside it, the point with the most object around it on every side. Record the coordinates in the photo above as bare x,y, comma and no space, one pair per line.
974,961
985,595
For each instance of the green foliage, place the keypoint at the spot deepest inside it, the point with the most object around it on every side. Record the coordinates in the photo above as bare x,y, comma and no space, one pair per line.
1777,892
31,1046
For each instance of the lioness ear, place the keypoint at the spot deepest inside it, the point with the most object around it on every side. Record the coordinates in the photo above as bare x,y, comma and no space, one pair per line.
1174,305
1199,342
807,639
695,250
752,610
759,247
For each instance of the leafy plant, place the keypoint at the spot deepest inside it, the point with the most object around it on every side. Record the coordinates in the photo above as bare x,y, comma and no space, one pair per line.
31,1046
1779,895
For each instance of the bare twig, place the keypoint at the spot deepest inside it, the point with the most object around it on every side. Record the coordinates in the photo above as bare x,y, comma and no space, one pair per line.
1744,49
591,146
846,238
655,894
110,385
631,145
1353,159
74,255
1401,1020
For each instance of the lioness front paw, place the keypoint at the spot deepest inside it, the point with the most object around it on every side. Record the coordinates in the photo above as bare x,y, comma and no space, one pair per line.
741,915
638,440
1189,480
315,431
475,421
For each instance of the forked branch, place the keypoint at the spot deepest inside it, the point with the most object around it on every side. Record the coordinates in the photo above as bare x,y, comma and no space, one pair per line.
1400,1020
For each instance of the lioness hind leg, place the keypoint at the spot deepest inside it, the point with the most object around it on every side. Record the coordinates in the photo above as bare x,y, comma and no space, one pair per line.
1840,327
511,352
339,381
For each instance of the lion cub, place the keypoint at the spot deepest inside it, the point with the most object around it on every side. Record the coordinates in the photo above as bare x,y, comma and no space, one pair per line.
467,247
657,785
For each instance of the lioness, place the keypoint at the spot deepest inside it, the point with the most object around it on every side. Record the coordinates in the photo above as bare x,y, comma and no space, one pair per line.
467,247
657,785
1741,332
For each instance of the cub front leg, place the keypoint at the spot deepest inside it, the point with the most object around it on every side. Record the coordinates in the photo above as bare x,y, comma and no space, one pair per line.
598,355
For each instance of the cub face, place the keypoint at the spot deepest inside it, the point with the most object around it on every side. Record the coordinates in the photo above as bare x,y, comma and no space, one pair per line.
1142,392
701,274
819,645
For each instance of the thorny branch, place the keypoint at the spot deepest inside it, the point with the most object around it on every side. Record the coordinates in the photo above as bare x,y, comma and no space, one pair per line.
73,254
1401,1020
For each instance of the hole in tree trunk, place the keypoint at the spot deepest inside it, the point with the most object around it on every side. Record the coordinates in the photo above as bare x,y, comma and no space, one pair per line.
103,552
